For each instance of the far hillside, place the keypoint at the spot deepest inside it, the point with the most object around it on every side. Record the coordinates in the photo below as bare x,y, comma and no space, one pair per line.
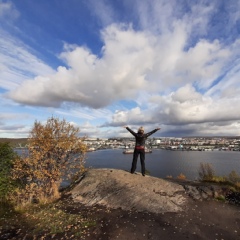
15,142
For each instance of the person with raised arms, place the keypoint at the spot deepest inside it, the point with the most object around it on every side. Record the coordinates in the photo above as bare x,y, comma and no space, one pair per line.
140,138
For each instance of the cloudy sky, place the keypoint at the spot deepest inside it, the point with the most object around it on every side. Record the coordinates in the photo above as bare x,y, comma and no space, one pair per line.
103,64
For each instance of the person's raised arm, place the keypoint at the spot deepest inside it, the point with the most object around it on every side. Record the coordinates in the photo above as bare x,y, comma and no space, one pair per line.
153,131
130,130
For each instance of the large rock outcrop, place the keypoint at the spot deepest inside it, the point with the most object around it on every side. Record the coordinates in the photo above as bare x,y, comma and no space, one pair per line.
119,189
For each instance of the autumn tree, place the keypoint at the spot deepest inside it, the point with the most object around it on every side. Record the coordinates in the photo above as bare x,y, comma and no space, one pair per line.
55,152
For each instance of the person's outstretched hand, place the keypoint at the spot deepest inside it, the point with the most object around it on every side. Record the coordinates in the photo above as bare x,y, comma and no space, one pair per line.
125,126
158,128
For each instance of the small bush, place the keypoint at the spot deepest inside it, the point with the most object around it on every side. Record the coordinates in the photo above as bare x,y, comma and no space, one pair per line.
206,172
237,184
181,176
234,177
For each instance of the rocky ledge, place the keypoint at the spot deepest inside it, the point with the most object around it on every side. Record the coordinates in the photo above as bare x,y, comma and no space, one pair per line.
114,189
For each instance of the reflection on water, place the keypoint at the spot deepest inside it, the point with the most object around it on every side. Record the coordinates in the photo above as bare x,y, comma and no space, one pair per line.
163,163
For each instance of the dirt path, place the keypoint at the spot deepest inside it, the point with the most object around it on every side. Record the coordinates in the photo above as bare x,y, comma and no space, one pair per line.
203,220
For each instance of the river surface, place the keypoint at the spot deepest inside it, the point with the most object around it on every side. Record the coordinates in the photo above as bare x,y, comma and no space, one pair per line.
163,163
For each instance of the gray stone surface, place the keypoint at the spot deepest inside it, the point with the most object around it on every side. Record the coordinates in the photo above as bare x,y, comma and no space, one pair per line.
119,189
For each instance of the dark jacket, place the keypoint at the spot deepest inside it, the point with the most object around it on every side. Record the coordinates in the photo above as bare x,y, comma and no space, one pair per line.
140,137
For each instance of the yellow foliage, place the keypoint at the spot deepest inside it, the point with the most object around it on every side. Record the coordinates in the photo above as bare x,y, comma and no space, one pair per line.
55,151
181,176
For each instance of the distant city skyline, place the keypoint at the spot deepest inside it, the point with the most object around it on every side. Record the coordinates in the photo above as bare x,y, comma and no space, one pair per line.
105,64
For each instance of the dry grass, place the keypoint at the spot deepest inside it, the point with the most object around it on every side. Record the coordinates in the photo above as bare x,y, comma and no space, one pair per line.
44,220
207,174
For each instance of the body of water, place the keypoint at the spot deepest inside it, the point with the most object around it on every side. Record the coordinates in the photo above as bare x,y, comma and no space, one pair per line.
163,163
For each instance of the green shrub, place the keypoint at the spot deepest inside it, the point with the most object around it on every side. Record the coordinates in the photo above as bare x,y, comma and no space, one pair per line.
7,158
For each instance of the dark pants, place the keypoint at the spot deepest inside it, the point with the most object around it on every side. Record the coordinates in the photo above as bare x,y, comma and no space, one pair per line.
137,152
